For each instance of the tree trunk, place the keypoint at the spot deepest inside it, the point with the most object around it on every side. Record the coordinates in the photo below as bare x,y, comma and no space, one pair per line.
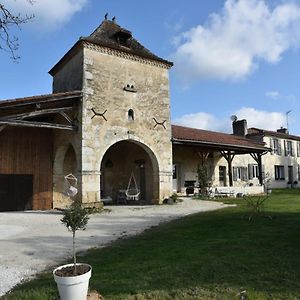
74,254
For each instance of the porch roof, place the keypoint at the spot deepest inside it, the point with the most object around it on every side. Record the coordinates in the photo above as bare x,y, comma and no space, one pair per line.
41,111
215,141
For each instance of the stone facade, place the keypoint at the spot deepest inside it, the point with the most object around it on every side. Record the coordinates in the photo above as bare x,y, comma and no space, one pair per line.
138,115
105,76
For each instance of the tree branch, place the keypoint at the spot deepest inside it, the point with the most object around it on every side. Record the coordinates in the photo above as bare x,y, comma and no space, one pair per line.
8,20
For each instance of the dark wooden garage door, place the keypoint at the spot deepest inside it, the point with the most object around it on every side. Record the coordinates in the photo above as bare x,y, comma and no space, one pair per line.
16,192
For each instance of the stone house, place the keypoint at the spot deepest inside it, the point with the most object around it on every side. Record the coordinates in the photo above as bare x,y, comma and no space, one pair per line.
107,121
282,163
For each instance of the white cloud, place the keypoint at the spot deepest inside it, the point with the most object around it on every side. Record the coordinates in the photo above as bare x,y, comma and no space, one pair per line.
255,118
275,95
205,121
49,14
262,119
233,43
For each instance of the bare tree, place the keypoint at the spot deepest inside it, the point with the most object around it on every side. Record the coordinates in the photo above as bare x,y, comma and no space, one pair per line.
8,20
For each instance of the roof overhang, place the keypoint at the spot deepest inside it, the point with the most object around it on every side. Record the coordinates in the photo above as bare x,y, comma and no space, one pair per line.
55,111
211,146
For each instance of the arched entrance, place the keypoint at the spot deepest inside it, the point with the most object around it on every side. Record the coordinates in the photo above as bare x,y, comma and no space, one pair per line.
123,159
65,163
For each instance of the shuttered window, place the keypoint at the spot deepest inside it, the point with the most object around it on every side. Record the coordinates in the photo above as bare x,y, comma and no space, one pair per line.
240,173
279,173
288,148
253,171
275,145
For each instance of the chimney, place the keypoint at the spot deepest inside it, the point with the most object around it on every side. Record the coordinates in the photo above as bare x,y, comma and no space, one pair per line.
283,130
239,127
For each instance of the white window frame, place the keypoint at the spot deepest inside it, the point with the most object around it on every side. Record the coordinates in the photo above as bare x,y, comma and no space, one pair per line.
288,148
255,171
279,172
276,146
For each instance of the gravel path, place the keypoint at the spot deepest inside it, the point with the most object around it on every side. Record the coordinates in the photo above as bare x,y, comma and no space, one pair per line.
33,240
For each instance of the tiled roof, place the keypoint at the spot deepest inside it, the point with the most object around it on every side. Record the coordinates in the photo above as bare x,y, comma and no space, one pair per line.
107,35
215,139
257,131
39,98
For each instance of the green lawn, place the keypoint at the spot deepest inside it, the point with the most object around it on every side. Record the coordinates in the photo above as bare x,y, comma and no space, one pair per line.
206,256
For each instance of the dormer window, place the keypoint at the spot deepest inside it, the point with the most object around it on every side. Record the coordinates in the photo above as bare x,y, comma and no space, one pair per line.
123,36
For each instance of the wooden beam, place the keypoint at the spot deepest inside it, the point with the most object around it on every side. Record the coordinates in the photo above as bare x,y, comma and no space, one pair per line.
229,156
13,103
63,114
257,158
36,124
203,156
37,113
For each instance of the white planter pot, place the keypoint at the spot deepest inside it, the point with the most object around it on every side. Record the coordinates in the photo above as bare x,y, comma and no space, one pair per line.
73,287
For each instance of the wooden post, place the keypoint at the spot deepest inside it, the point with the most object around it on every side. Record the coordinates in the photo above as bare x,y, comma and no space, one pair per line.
257,158
260,175
229,157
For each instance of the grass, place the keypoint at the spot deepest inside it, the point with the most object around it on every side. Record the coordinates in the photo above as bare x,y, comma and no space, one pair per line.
212,255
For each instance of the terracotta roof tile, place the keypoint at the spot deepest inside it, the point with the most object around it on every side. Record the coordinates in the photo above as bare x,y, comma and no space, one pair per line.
187,134
107,34
257,131
56,96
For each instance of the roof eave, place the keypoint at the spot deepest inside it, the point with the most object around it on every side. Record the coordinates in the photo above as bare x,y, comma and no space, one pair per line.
161,60
71,53
235,147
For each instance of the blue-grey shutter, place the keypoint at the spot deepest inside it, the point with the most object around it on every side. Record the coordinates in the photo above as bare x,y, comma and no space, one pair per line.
234,174
279,152
250,171
244,174
263,171
285,148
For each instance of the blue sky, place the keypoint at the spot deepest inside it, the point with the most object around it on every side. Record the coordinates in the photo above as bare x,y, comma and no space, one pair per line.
230,57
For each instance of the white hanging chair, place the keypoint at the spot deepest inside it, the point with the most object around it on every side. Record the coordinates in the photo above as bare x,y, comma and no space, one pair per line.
71,185
132,193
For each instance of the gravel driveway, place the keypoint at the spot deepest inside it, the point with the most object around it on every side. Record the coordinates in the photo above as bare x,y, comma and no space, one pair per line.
33,240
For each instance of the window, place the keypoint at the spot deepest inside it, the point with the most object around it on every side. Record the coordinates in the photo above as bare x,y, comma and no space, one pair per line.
298,149
279,173
288,148
253,171
130,115
275,146
240,173
298,172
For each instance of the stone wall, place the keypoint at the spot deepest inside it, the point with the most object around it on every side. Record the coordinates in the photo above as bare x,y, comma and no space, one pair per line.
69,77
105,76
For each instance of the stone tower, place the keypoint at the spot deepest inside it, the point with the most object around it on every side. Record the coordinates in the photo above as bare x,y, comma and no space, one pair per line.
124,118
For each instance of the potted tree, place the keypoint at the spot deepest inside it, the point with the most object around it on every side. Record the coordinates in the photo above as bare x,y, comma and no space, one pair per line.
73,279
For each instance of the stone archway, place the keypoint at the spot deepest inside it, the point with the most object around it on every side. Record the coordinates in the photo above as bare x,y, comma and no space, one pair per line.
123,159
65,162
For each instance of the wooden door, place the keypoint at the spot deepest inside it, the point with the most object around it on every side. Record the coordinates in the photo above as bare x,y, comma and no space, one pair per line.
16,191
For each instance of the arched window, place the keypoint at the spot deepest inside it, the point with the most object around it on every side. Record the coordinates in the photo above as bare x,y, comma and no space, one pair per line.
130,115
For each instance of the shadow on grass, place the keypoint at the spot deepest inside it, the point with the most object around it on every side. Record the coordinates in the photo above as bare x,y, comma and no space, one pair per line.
217,253
206,250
